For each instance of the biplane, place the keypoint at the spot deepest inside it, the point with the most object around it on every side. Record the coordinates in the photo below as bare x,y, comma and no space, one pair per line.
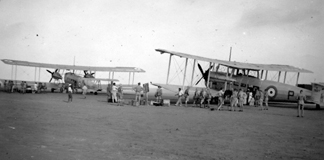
70,77
246,76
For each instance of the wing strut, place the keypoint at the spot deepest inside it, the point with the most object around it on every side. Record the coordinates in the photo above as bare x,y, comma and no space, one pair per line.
129,76
184,74
35,74
193,72
208,78
297,79
133,78
167,81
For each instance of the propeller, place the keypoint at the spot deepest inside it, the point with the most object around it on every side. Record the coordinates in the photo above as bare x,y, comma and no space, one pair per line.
87,75
55,75
204,74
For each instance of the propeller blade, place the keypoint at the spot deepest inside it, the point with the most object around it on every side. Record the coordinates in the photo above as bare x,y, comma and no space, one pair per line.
199,80
201,70
85,72
50,80
92,73
210,67
56,70
49,71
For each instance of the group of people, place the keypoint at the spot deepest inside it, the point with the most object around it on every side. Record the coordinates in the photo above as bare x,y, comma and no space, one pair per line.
115,93
201,98
238,98
70,91
143,92
10,86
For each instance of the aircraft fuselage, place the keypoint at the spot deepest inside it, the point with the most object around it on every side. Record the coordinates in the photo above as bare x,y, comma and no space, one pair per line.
78,81
277,91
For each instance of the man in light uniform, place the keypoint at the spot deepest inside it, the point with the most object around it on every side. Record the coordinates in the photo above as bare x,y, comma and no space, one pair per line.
241,99
138,89
179,94
234,100
114,93
301,98
196,98
70,93
220,98
186,96
35,87
84,91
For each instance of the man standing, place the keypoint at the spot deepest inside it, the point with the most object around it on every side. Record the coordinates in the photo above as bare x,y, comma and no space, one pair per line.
35,87
208,97
145,93
24,87
202,97
240,99
301,98
186,96
108,92
257,97
234,100
196,98
114,93
179,94
11,86
220,99
70,93
138,89
120,95
158,95
84,91
5,85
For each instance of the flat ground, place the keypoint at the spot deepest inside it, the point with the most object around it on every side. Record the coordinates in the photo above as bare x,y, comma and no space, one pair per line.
45,126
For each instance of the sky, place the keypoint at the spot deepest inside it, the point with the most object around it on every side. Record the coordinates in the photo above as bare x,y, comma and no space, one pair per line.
126,33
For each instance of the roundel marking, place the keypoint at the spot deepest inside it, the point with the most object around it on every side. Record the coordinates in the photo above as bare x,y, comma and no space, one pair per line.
272,91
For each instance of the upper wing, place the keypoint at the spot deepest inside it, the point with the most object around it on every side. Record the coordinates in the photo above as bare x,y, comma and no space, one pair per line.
71,67
232,64
103,79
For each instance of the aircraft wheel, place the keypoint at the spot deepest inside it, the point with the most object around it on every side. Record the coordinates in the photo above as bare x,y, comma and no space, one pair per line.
52,90
318,106
95,93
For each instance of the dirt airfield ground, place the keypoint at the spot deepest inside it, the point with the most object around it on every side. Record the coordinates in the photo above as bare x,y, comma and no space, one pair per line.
45,126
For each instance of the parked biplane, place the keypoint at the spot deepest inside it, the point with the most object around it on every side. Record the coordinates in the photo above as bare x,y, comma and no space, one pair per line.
246,76
70,77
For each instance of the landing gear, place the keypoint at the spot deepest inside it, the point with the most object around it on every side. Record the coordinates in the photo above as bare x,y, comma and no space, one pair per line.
52,90
95,93
318,106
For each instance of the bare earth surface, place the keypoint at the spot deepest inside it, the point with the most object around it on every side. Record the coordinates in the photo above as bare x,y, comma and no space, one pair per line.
45,126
